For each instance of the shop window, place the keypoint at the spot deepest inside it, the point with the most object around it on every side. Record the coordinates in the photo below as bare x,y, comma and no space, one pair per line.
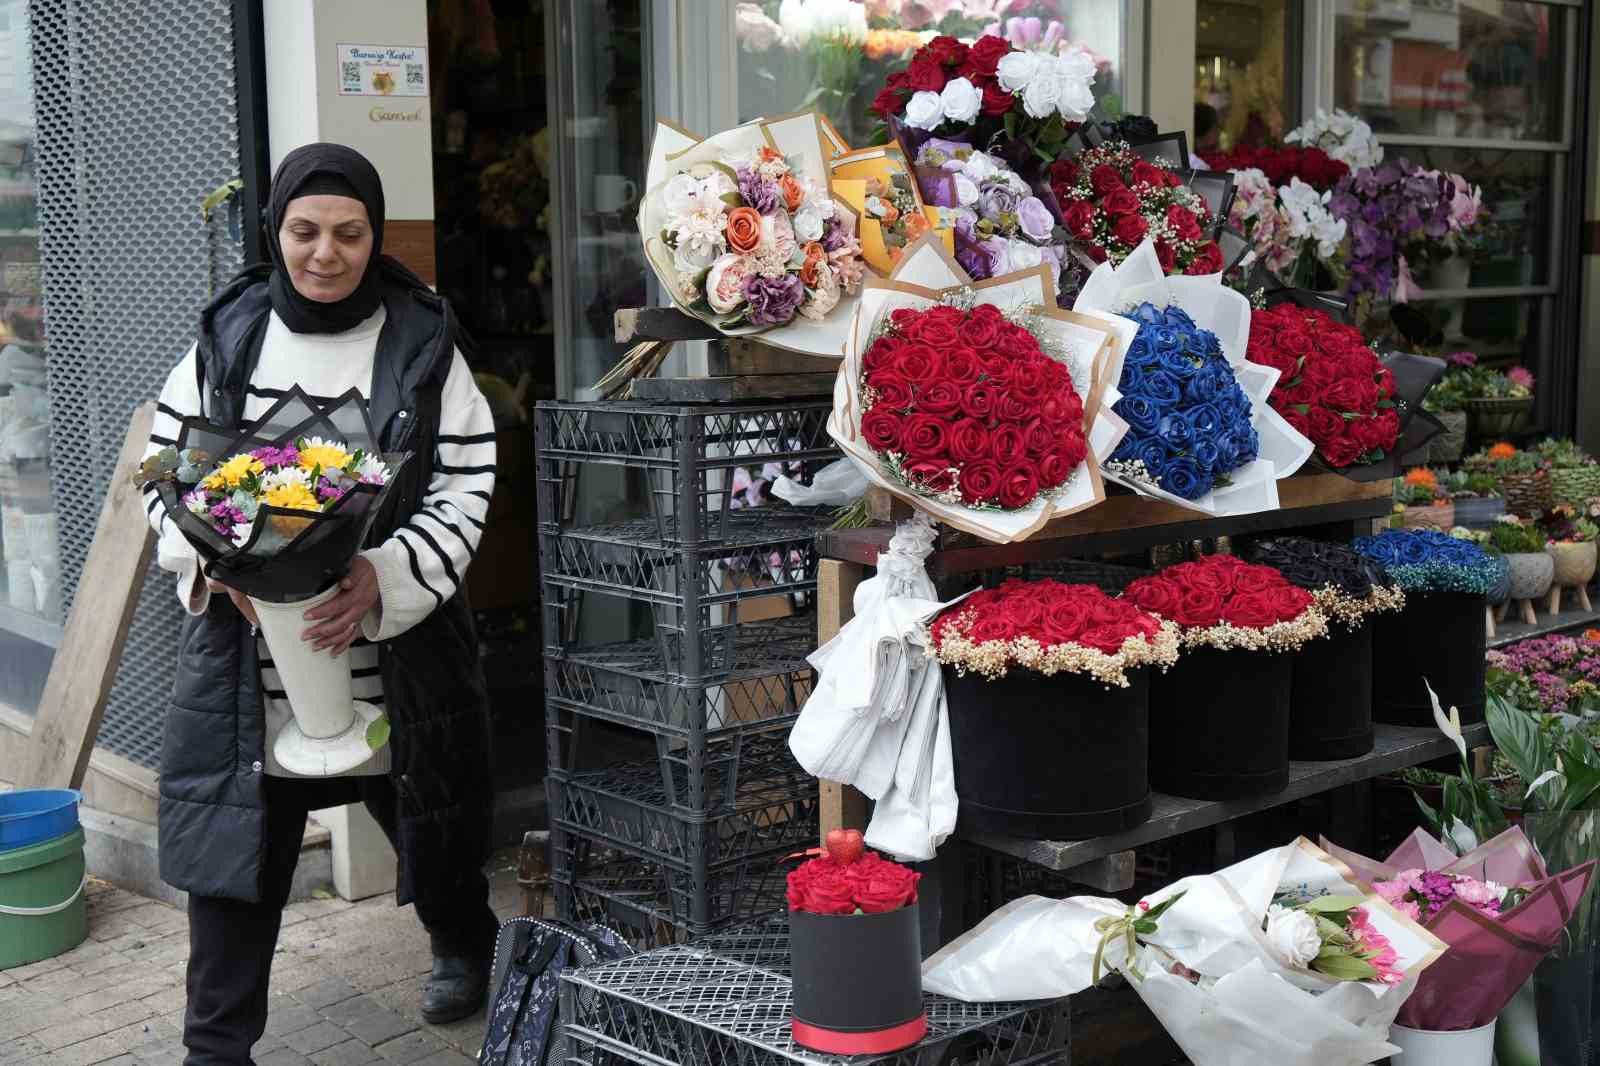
1244,74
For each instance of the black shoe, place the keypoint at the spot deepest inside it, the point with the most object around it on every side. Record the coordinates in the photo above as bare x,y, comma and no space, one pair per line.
455,989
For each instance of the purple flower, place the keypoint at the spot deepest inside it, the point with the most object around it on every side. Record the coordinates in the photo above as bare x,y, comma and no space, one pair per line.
757,191
834,236
1462,359
773,301
973,260
278,456
996,199
1035,219
327,491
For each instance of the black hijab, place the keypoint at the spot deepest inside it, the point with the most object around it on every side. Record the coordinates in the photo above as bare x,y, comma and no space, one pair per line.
322,168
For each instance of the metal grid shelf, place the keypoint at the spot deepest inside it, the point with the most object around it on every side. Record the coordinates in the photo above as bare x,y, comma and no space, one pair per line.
745,527
759,802
720,435
726,999
651,905
755,672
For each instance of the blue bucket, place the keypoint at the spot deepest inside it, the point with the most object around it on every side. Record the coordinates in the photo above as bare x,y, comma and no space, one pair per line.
29,815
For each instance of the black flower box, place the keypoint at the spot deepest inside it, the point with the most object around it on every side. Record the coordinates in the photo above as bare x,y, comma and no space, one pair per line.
857,981
1062,757
1330,700
1438,638
1219,724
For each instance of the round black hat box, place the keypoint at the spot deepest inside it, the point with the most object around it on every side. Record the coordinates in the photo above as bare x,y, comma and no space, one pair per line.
1219,724
1063,757
857,981
1330,701
1437,636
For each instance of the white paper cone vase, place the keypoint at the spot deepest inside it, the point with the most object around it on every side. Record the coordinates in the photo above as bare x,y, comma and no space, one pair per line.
328,735
1465,1047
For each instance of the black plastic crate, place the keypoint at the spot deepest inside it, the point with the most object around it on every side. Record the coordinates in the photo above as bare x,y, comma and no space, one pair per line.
759,802
652,905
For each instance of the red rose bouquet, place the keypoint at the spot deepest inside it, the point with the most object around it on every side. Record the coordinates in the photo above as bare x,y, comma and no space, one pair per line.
965,406
1332,388
1282,163
1111,200
1052,628
1223,602
850,880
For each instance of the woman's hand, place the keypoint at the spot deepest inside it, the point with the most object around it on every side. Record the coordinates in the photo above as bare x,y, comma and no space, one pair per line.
341,616
240,600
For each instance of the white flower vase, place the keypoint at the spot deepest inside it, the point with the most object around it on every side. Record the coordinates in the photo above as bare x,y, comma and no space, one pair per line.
328,735
1464,1047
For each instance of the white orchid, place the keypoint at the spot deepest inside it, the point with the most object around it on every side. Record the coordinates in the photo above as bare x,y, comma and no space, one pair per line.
1451,726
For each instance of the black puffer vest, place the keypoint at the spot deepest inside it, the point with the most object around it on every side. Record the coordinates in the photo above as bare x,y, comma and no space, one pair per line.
212,819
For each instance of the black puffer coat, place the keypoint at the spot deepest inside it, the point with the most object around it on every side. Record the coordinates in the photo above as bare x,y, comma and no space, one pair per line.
212,820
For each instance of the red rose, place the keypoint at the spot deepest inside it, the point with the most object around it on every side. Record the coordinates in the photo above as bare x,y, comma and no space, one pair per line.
1256,579
894,391
992,626
1039,437
969,441
1158,595
1294,342
1073,447
1290,601
1018,487
1105,179
1054,469
1325,426
903,319
986,53
1120,202
980,331
1303,393
1198,608
882,429
1369,433
996,101
933,474
1343,396
978,400
919,364
1107,638
1013,407
826,889
947,51
937,332
1208,574
962,366
940,398
1017,344
883,353
1027,379
1025,612
1079,218
888,102
1130,229
1320,373
1173,181
1339,451
899,81
980,481
888,887
924,437
1209,261
1181,221
1366,393
925,74
997,368
1007,446
1166,255
1145,173
1389,422
1297,421
1063,172
1252,610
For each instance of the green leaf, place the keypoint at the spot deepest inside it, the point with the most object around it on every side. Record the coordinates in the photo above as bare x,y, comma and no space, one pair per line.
1429,815
1164,906
378,732
1343,967
1332,904
1517,737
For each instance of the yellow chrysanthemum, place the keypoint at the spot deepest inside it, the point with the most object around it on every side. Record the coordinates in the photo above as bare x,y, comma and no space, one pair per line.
235,470
326,454
292,497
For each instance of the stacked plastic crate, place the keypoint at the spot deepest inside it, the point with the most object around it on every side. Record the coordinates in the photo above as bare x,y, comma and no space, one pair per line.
687,842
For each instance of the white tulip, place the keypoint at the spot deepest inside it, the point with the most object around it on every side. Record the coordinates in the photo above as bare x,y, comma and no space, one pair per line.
1018,69
961,100
794,16
925,111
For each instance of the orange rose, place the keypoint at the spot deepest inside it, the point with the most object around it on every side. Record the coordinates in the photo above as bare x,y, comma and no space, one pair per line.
744,230
815,255
917,224
793,195
890,214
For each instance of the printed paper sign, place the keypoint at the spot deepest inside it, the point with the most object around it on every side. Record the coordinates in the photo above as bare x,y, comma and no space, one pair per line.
382,70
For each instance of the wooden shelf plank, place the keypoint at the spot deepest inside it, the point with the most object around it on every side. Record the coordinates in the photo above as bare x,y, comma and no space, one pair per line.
1397,747
1510,631
30,626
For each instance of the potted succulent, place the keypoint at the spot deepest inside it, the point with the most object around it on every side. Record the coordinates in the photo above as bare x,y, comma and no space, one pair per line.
1571,543
1521,476
1424,503
1446,402
1476,498
1496,403
1532,568
1574,473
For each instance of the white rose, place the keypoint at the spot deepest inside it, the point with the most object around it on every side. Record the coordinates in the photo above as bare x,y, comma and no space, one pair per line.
1024,256
1294,934
807,225
966,191
980,165
961,100
681,194
1017,70
925,111
1074,74
686,260
1039,98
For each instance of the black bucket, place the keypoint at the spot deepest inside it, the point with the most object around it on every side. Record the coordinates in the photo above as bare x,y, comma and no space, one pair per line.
1437,636
1219,724
857,981
1330,702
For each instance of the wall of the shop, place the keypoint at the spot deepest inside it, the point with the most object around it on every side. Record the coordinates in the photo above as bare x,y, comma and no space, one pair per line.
1169,65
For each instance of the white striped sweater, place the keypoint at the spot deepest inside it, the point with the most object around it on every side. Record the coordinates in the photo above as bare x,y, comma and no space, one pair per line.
421,565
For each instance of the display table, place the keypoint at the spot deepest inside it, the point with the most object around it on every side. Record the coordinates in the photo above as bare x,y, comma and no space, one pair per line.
725,998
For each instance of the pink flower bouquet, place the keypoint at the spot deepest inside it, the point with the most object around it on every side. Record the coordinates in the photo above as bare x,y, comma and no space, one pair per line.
1496,908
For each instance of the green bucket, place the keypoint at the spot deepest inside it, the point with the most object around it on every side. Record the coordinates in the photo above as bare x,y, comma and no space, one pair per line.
42,909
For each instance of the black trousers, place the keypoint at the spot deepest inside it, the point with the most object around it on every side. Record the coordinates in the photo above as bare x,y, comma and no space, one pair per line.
231,942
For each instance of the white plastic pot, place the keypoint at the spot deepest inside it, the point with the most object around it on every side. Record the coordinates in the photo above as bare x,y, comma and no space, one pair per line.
329,733
1462,1047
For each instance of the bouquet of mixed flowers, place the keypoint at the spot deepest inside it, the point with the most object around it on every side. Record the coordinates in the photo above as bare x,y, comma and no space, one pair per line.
1223,602
1344,137
1051,628
1290,227
982,405
1111,200
878,186
1331,387
1346,585
1425,560
743,231
1285,957
1000,225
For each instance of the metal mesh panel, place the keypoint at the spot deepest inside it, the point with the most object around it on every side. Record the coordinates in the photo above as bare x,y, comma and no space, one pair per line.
137,122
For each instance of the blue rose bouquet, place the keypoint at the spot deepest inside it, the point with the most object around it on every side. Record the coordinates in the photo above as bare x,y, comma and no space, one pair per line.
1189,422
1425,560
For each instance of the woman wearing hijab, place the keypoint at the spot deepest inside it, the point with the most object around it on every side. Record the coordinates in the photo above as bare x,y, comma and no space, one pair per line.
330,313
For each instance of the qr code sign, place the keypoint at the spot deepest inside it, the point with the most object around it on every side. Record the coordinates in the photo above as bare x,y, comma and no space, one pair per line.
416,75
350,74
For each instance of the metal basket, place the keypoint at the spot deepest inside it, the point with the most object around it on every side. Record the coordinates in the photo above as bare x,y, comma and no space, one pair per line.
1498,417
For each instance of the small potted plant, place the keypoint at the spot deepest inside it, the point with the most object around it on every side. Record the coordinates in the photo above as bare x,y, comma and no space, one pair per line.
1424,502
1476,498
1219,719
1574,474
1571,544
1446,402
1521,477
1497,403
855,951
1532,568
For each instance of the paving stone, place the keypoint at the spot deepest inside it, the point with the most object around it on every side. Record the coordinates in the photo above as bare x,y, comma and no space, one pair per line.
81,1028
374,1023
445,1058
143,1034
97,1049
36,969
283,1057
410,1048
291,1018
166,1000
19,1050
111,961
349,1053
322,1035
325,993
124,1059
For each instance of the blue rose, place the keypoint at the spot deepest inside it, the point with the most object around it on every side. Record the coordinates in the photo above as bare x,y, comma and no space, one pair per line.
1205,420
1249,445
1166,340
1205,343
1205,454
1179,365
1140,411
1227,455
1201,388
1184,478
1178,318
1154,455
1162,389
1176,431
1416,550
1140,350
1146,314
1133,377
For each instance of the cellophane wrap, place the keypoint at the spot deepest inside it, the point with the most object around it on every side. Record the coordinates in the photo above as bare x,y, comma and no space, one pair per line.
1489,957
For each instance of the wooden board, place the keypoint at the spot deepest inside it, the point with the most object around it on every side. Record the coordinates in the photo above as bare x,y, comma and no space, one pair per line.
85,664
747,355
840,806
1397,747
659,324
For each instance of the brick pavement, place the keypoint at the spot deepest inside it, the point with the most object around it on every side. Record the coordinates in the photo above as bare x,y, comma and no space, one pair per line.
346,988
